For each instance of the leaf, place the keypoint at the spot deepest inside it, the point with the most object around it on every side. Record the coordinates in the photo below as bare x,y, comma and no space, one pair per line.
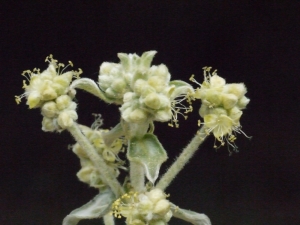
190,216
181,87
90,86
149,152
96,208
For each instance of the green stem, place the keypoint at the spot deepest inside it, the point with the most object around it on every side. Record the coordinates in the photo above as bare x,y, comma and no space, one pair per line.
106,172
108,219
184,157
137,176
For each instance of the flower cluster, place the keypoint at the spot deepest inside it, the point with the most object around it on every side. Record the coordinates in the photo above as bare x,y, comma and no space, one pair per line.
221,106
59,114
145,92
88,173
149,208
49,91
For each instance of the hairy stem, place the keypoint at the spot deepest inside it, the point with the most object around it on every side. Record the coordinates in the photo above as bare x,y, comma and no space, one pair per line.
106,172
108,219
183,158
137,176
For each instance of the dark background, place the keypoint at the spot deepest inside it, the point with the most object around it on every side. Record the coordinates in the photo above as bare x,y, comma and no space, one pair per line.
255,42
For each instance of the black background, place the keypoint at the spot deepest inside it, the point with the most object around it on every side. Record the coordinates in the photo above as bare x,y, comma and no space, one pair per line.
255,42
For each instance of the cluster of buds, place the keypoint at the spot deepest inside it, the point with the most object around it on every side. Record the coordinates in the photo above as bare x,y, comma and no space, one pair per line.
145,92
50,91
59,114
222,106
148,208
88,173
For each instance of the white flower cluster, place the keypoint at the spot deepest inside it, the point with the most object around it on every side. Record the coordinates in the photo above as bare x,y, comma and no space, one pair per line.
49,91
221,105
88,173
145,92
149,208
59,114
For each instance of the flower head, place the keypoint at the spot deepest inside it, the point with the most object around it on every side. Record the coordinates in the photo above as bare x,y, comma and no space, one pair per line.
48,85
221,107
49,91
143,208
145,91
88,173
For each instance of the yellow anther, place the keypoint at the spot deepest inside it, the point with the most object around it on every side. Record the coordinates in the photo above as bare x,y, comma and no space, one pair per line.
24,84
192,78
18,99
71,64
199,123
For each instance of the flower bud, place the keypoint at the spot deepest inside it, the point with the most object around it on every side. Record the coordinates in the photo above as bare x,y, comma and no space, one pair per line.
85,173
64,120
157,82
118,85
239,90
235,114
217,82
79,151
63,102
243,102
213,97
162,207
48,124
33,100
49,109
108,156
155,195
49,93
105,81
163,115
128,96
106,67
137,116
139,86
152,101
229,100
64,79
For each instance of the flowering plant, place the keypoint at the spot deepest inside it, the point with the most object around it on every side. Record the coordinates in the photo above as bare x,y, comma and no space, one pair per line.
144,93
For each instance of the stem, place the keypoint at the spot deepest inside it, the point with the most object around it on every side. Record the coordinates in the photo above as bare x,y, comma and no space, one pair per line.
183,158
98,161
137,176
108,219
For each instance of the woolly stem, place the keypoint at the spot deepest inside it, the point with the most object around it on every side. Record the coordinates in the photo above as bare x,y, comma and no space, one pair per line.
137,176
108,219
106,172
183,158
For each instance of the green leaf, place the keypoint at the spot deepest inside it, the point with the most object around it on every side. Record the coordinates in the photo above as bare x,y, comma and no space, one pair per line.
90,86
149,152
190,216
98,207
181,87
147,58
